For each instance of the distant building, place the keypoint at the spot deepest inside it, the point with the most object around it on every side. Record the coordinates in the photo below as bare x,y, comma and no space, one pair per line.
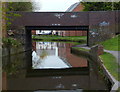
41,32
33,32
77,7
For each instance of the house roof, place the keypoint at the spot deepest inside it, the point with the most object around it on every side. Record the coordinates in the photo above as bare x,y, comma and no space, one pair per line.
72,7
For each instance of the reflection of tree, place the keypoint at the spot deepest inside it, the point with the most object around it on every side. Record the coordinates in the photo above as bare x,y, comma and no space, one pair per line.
43,54
37,60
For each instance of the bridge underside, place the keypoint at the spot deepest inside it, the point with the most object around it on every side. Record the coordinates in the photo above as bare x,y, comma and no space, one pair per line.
83,28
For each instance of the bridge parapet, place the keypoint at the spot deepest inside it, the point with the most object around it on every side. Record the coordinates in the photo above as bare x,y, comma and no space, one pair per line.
50,19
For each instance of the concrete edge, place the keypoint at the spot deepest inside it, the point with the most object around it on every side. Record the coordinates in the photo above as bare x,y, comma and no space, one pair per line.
115,83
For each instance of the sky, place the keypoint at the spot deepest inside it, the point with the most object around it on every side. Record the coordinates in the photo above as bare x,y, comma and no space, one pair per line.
53,5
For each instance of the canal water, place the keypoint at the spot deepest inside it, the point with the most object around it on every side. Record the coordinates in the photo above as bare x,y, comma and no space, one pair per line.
50,67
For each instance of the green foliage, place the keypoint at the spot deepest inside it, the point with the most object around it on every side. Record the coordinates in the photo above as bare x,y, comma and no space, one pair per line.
16,6
19,6
10,42
10,19
12,64
81,39
118,90
12,68
83,49
110,63
101,6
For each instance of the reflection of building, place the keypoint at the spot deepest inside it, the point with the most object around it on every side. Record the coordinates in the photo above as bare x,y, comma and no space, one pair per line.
72,59
62,50
77,7
34,46
45,55
50,47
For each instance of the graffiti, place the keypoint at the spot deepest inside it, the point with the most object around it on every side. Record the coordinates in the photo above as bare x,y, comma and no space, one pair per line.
73,16
104,23
94,32
59,15
104,26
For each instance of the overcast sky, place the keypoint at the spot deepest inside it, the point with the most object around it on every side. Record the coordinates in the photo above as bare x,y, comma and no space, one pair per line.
53,5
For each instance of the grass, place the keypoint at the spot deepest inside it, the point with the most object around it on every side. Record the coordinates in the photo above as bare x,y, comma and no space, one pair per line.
112,44
83,49
60,38
110,63
118,90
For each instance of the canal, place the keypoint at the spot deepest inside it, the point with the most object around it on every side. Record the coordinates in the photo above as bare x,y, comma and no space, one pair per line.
50,66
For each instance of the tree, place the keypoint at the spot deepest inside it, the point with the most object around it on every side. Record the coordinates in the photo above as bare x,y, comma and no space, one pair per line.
12,6
19,6
101,6
4,32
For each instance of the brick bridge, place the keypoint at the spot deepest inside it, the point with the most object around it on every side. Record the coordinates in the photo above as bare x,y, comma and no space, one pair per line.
100,25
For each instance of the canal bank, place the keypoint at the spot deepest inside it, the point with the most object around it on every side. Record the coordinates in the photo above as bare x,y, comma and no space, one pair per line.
105,73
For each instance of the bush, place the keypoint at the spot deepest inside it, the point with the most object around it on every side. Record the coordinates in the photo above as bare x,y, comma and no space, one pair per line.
10,42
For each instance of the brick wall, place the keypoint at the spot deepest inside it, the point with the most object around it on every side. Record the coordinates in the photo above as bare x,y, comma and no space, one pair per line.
80,7
117,22
33,32
101,26
75,33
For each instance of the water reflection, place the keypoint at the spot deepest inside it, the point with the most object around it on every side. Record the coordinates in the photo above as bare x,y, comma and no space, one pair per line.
45,55
52,67
55,55
44,61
